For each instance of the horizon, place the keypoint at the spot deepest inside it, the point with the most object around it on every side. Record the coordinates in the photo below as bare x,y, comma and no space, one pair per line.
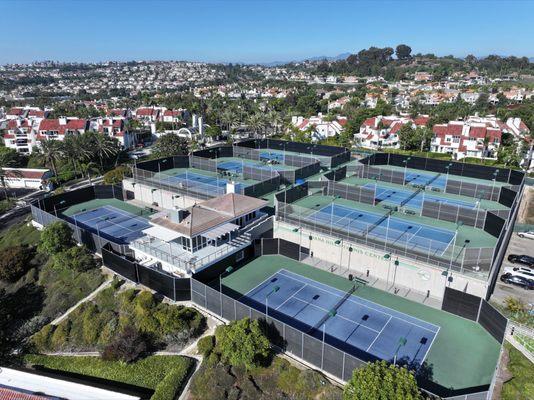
257,32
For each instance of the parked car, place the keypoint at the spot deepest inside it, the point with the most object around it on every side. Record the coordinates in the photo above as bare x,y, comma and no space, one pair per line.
525,283
521,259
525,272
527,234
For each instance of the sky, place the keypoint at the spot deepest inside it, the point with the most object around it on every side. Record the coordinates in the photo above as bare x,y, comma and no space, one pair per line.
255,31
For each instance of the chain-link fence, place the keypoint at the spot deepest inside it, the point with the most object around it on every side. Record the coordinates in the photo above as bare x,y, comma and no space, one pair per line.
382,235
316,352
454,213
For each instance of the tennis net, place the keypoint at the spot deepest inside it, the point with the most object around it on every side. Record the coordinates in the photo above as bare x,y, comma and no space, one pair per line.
335,308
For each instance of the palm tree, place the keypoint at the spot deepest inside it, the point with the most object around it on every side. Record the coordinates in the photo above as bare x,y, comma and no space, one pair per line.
103,147
256,123
275,120
50,152
228,118
87,167
75,149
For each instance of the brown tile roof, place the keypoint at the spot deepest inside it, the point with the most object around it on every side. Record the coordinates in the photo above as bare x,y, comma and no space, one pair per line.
210,213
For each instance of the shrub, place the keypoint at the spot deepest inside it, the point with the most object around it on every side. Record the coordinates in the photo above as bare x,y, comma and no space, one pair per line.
55,238
77,258
381,381
514,305
115,176
170,386
127,347
14,262
205,345
59,339
242,343
41,340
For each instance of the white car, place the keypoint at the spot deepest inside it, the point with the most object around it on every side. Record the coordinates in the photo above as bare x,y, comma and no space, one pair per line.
524,272
527,234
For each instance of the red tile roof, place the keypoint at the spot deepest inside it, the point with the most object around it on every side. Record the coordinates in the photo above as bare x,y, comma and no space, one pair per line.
12,394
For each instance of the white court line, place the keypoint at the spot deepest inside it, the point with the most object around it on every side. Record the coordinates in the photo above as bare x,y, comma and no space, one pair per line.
352,299
257,286
430,346
379,333
102,218
292,296
335,316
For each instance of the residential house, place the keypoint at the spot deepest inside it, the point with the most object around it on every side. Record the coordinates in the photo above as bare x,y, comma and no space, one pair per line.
382,131
321,128
478,137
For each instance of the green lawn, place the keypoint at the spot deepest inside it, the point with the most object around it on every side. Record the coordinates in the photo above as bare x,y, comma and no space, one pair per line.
463,354
521,386
164,374
19,234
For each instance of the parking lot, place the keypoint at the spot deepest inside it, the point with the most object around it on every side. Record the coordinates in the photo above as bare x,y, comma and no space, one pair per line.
517,246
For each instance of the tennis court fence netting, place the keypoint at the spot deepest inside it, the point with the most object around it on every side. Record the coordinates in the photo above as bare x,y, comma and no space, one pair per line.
458,257
301,345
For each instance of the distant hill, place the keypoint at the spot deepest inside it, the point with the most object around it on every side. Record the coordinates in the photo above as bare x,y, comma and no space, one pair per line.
341,56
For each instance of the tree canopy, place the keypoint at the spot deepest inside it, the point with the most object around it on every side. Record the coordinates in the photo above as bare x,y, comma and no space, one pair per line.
381,381
169,145
55,238
243,343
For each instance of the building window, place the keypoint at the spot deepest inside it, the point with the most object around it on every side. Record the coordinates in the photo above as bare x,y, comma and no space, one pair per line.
239,256
456,139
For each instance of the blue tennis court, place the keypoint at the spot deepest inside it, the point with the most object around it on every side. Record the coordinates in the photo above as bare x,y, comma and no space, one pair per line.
349,323
422,179
267,155
390,195
192,180
110,222
237,166
400,232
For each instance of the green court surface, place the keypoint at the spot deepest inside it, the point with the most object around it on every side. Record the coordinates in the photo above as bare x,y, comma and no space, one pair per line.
463,354
477,237
486,182
484,204
96,203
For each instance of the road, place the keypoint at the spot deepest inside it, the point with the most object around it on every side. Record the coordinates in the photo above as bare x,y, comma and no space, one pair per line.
19,212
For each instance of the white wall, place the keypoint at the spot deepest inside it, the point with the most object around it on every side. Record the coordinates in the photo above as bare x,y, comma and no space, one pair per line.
415,275
164,198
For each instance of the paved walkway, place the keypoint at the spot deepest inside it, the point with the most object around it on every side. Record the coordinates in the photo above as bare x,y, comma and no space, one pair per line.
399,290
91,296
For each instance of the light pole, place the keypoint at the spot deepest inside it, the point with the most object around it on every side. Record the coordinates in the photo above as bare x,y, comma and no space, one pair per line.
458,225
60,203
494,179
273,291
226,271
331,314
299,229
395,273
405,162
387,257
348,264
448,167
402,342
340,243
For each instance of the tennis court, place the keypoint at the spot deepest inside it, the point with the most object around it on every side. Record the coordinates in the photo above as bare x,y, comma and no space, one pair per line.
192,180
391,195
237,166
396,231
462,354
345,320
118,225
422,179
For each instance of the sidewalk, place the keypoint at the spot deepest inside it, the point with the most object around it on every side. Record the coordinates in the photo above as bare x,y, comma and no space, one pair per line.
398,290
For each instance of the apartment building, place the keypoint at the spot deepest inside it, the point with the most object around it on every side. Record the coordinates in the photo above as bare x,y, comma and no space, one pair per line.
382,131
321,128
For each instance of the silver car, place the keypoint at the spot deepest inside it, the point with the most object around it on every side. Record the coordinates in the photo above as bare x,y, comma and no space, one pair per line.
527,234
